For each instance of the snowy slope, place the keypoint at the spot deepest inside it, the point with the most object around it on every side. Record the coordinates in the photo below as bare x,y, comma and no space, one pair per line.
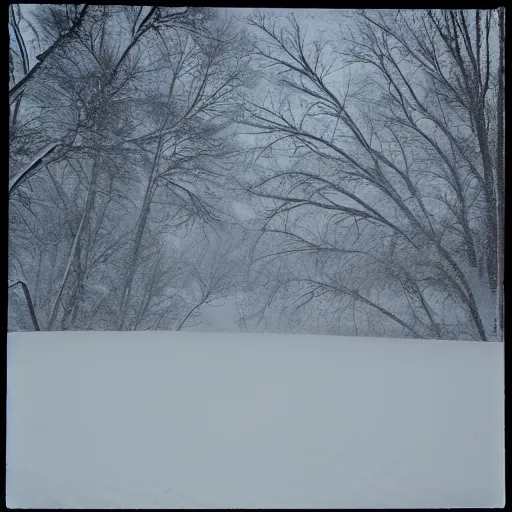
205,420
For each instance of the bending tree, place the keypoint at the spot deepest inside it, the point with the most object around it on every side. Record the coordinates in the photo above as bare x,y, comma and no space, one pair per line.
390,193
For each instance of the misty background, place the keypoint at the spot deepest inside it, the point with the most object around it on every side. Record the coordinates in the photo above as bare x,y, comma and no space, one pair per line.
316,171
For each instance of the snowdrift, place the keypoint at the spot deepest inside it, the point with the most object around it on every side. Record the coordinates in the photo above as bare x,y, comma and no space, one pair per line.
210,420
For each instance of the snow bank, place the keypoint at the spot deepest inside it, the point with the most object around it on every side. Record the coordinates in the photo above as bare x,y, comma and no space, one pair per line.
211,420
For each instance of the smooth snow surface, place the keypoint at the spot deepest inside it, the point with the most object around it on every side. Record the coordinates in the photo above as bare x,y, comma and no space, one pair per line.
211,420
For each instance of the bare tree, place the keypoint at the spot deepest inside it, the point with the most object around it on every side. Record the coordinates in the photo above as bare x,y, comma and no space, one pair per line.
29,302
186,149
80,115
390,155
67,26
213,270
130,118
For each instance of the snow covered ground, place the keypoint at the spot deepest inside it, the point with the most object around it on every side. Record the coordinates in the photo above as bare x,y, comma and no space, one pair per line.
210,420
